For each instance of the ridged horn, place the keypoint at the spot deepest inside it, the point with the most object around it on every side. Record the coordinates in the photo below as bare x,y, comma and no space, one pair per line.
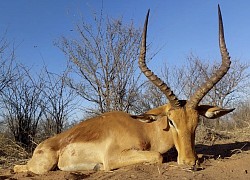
150,75
218,75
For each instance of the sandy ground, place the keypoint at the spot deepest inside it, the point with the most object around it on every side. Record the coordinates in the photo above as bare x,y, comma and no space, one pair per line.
226,160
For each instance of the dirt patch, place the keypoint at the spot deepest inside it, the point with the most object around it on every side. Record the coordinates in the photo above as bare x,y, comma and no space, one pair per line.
225,160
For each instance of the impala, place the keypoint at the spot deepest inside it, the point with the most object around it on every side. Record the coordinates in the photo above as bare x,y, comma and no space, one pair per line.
116,139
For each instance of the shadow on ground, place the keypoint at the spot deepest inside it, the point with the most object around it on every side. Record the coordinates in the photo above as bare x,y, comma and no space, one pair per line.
212,151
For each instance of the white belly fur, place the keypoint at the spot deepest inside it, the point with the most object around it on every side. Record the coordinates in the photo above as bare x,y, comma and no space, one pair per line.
82,156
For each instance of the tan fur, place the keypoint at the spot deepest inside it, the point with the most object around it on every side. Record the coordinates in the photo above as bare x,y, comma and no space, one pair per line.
116,139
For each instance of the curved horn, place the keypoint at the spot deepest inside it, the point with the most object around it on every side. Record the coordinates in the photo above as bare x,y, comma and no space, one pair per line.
149,74
218,75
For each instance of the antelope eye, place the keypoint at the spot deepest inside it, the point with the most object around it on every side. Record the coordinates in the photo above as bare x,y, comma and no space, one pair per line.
170,122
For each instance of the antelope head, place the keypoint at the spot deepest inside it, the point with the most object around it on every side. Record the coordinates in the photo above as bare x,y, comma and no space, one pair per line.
183,115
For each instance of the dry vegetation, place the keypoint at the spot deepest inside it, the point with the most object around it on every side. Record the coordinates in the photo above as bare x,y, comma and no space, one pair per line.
11,152
216,149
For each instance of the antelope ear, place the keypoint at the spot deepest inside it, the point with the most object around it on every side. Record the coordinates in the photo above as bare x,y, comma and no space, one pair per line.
212,112
147,118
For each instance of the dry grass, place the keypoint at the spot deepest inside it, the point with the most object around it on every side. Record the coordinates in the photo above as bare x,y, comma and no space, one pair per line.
210,136
11,153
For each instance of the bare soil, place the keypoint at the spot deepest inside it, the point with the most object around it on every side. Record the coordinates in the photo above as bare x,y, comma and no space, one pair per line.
227,159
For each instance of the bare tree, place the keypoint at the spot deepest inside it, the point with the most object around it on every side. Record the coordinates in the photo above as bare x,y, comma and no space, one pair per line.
7,56
7,67
187,78
233,88
60,102
241,118
23,106
104,63
148,98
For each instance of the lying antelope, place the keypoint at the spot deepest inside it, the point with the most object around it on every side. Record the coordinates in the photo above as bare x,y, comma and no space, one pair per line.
116,139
